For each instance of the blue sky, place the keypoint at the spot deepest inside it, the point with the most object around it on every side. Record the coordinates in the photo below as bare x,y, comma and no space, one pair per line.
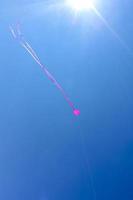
45,152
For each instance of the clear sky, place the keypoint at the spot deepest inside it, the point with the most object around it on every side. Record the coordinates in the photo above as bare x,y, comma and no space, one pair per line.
46,153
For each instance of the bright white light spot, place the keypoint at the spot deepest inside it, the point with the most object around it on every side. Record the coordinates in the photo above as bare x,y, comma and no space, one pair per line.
80,5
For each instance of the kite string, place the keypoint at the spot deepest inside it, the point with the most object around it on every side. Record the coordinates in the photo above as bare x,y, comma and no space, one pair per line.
18,36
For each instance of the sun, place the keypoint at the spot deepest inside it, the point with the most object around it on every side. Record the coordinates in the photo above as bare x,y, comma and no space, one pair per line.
80,5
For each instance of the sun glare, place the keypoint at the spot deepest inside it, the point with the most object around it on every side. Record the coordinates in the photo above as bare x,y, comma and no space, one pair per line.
80,5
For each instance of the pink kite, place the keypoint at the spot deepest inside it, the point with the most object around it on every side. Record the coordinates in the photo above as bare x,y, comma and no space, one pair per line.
19,37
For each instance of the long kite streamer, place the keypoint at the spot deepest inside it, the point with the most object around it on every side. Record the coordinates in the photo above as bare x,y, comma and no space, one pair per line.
20,38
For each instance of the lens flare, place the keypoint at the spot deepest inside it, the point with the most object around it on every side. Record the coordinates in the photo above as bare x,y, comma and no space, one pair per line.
80,5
